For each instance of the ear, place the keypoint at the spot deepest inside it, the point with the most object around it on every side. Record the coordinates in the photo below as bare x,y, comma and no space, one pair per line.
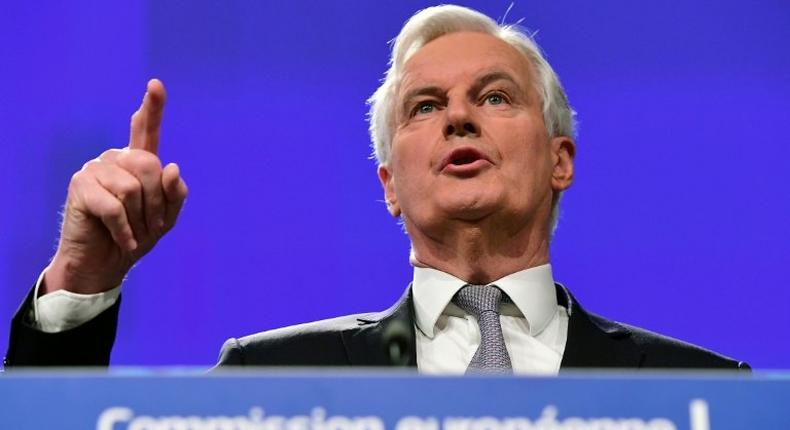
385,176
563,150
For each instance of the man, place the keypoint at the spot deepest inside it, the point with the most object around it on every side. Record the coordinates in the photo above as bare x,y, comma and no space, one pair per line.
474,139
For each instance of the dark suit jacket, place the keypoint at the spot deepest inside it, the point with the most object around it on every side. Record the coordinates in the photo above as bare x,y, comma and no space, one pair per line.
359,340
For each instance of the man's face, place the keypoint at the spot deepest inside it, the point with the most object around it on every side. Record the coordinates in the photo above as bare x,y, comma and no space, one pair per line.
469,140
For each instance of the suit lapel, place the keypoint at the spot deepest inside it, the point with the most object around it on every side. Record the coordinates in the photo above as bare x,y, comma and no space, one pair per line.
595,342
365,344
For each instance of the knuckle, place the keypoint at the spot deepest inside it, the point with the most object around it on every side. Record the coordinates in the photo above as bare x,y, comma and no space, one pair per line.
144,162
91,165
111,154
113,210
128,190
151,163
78,179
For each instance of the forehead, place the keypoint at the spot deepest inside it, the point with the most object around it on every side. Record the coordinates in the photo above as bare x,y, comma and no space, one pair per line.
463,55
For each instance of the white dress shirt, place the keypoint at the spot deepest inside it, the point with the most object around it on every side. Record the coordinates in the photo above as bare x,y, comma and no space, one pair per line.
534,325
62,310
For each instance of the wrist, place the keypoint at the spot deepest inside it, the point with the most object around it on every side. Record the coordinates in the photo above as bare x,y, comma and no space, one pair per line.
64,274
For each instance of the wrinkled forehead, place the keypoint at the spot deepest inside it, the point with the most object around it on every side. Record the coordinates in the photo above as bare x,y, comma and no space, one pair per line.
462,57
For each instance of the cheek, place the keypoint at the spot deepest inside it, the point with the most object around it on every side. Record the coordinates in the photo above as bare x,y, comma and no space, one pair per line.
410,165
528,160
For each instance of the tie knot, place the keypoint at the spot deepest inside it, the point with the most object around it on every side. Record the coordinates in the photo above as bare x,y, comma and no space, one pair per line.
476,299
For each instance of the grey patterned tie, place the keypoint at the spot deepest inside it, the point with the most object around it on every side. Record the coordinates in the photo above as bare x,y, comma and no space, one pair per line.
483,301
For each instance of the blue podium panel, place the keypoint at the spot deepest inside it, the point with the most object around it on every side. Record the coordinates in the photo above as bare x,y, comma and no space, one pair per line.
387,401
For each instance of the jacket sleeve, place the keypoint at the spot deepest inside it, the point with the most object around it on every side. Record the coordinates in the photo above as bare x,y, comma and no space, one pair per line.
88,344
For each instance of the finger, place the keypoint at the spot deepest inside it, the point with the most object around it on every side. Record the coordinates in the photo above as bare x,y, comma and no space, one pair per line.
154,113
102,204
128,189
175,193
147,168
137,127
148,118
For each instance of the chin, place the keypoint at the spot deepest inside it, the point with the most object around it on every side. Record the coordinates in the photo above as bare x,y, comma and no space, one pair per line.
469,208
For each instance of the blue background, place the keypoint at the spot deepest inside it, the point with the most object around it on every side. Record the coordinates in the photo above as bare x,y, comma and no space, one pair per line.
677,222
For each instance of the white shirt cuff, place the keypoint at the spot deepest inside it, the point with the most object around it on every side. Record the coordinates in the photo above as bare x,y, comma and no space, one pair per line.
62,310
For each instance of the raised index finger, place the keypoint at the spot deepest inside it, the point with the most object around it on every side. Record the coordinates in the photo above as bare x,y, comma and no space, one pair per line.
148,118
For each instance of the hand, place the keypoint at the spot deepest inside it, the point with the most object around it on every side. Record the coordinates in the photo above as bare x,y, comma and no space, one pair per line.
118,206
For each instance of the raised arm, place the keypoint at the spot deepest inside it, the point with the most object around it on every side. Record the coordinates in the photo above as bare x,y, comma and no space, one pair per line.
118,207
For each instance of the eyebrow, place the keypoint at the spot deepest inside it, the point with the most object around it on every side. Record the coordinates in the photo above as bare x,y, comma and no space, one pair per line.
422,91
480,83
488,78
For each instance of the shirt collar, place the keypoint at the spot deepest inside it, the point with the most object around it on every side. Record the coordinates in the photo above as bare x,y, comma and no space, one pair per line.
531,290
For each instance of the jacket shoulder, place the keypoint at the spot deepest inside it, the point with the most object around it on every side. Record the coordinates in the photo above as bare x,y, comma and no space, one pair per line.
661,351
317,343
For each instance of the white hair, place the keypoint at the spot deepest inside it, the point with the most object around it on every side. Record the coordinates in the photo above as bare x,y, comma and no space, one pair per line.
434,22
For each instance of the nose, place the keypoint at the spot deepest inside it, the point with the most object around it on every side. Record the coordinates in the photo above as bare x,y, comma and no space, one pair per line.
461,120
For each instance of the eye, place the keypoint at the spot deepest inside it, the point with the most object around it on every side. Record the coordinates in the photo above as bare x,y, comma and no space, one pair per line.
423,108
495,99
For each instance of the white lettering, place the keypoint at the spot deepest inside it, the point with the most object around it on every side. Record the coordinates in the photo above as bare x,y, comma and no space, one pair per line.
486,423
516,424
121,418
417,423
144,423
298,423
661,424
698,415
455,423
574,423
548,418
110,416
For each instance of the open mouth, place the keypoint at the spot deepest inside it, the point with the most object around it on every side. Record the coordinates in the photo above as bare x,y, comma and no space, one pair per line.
462,156
463,159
